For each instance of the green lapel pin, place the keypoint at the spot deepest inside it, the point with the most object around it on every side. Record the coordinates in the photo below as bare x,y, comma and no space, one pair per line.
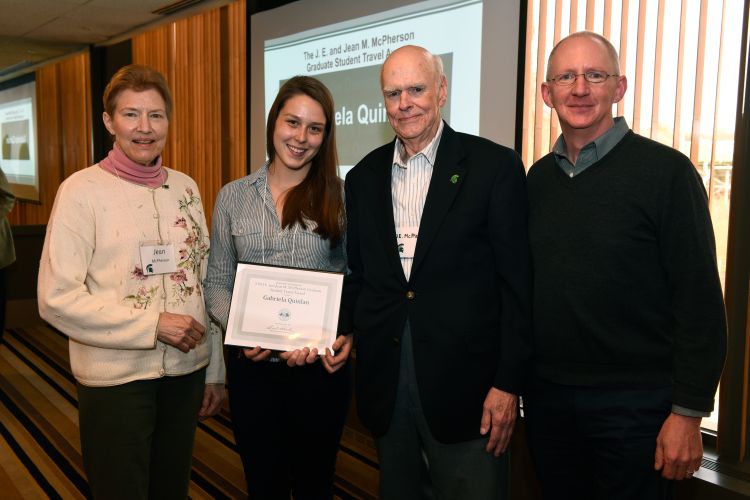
454,178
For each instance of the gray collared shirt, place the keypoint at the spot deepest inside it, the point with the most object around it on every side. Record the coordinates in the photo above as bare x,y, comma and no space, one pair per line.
591,152
246,228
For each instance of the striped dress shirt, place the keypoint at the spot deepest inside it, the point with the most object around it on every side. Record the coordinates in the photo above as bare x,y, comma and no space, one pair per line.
410,180
246,229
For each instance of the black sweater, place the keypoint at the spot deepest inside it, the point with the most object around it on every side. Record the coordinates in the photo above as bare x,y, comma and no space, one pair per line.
626,289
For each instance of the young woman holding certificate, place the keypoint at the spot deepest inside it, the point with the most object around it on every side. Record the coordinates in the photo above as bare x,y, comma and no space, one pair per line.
288,408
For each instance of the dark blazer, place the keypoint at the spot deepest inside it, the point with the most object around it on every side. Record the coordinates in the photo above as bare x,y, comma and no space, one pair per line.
467,300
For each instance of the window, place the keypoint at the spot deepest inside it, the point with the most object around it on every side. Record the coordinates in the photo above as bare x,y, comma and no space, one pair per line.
682,59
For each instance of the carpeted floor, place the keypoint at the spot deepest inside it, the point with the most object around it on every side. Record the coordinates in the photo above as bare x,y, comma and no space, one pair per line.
39,443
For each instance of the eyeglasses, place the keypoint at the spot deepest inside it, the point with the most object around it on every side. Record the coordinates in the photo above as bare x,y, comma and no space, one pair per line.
568,79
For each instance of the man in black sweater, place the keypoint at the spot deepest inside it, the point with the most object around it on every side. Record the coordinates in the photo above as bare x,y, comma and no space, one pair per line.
629,322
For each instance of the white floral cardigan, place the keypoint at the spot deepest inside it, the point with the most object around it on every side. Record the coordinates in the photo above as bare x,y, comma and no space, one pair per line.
91,282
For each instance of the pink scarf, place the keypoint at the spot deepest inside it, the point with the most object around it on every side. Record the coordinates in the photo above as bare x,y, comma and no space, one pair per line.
117,163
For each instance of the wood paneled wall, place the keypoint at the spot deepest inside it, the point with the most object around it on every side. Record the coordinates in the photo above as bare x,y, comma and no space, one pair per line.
203,58
63,101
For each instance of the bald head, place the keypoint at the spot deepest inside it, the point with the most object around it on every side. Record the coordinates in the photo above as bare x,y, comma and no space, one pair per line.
414,55
612,56
583,108
414,88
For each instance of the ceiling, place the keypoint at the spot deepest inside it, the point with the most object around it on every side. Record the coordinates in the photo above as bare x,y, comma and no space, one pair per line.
33,32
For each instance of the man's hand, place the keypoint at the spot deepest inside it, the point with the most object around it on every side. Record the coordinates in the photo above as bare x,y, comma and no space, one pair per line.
213,396
679,448
343,344
498,418
179,330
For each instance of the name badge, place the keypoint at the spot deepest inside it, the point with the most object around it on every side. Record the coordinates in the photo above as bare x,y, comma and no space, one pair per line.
158,259
407,240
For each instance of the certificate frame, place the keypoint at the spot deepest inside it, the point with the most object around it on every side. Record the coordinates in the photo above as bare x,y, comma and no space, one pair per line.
284,308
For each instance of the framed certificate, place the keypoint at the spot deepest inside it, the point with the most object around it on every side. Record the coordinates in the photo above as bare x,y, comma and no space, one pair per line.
284,308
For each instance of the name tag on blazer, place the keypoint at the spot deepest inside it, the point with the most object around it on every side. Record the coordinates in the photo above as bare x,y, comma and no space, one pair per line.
407,240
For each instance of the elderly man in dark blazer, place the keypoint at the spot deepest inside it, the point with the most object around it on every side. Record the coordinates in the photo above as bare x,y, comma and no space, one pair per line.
438,295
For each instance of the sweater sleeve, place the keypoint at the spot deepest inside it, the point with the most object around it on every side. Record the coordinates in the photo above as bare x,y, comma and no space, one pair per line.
216,370
508,220
64,298
688,255
353,278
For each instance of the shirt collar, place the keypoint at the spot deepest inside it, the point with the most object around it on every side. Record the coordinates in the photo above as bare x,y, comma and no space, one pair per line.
260,174
400,157
599,146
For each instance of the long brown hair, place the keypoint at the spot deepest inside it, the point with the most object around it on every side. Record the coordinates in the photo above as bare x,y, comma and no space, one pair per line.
319,196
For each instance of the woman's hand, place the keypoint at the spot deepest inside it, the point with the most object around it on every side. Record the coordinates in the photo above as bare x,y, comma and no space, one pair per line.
213,396
179,330
332,362
300,357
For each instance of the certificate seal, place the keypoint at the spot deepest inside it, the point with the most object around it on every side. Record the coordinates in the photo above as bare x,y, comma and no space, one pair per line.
285,314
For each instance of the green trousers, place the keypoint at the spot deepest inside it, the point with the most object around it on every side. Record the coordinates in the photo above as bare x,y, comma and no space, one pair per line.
137,438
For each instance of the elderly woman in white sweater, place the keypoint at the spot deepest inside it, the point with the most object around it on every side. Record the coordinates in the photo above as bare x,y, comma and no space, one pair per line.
121,270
